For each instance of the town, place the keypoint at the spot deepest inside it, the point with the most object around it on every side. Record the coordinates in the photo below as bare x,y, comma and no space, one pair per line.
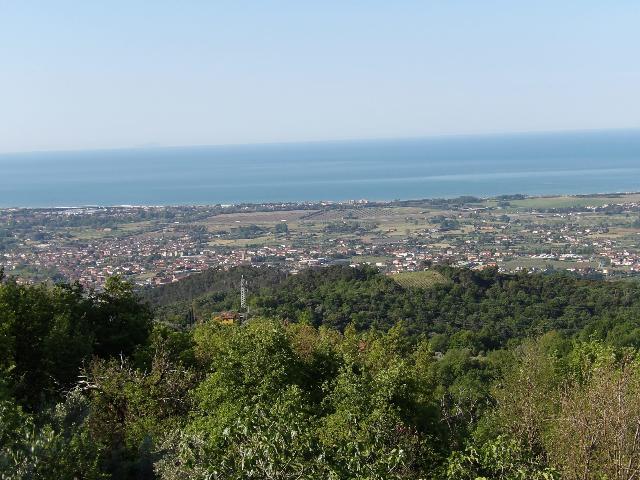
149,245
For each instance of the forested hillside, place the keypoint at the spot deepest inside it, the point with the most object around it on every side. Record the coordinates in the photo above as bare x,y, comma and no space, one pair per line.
197,296
341,374
479,310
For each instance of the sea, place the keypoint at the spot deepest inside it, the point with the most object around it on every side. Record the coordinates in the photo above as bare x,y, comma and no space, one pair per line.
436,167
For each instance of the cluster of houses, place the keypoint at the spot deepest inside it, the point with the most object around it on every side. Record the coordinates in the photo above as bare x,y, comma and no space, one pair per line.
474,239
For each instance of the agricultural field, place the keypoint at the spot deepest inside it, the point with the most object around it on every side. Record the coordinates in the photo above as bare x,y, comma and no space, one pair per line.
423,279
569,201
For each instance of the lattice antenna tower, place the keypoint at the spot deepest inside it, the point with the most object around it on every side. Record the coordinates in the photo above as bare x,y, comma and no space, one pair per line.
243,293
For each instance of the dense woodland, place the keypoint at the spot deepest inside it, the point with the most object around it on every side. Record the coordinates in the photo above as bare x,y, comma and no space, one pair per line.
341,373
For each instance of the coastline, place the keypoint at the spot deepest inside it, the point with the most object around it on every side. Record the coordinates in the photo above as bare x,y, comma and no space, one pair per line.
328,203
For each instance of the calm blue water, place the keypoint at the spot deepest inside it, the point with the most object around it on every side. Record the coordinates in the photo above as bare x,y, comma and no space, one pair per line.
587,162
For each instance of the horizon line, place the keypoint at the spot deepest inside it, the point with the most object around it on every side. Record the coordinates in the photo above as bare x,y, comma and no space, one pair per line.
152,146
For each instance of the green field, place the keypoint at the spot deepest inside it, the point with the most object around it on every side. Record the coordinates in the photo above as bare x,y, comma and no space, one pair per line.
423,279
565,201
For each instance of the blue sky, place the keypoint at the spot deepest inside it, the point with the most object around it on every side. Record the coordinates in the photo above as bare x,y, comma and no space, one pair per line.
89,74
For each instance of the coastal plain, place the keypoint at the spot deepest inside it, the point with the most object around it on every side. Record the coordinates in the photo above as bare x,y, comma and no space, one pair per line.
594,235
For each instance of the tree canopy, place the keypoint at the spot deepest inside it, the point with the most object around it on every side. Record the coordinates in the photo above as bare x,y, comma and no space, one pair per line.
342,373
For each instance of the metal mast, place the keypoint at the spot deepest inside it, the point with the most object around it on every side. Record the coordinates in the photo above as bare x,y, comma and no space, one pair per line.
243,293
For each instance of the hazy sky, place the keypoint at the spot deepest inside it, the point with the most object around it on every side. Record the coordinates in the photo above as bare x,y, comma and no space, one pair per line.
87,74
